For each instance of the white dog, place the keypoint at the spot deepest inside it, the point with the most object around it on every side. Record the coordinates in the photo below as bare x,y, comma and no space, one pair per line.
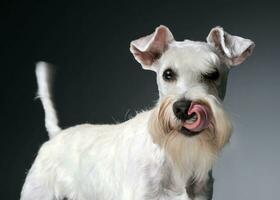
164,153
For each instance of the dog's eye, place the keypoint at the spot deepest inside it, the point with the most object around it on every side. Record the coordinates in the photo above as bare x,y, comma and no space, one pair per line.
212,76
169,75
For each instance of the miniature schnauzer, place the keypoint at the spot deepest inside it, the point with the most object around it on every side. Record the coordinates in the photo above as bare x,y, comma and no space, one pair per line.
165,153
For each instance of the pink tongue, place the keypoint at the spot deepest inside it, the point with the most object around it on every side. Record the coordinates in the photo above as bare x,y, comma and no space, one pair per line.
203,117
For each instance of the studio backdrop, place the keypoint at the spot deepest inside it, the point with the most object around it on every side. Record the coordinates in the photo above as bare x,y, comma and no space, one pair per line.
98,81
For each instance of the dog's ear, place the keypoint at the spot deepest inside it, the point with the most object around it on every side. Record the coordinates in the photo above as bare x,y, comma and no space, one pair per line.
233,49
149,48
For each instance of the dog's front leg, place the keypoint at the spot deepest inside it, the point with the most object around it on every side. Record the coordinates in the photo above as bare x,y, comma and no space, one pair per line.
201,190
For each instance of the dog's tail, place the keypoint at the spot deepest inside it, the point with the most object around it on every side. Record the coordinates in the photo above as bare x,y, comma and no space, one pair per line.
44,79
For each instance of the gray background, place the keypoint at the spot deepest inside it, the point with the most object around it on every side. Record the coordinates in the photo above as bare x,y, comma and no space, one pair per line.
98,81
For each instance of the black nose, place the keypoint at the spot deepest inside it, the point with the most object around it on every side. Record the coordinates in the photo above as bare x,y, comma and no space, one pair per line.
180,109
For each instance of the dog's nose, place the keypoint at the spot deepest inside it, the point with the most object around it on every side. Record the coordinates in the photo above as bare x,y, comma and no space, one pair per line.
180,108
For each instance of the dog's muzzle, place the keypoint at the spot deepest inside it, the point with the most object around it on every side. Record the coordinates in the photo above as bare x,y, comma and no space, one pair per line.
195,116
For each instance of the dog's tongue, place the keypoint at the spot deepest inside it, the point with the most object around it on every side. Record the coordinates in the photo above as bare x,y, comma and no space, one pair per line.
203,114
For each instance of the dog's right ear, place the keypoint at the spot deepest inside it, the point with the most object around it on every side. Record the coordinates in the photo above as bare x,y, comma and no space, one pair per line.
148,49
233,49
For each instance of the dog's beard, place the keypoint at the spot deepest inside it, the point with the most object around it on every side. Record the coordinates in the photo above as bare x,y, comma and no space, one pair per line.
190,150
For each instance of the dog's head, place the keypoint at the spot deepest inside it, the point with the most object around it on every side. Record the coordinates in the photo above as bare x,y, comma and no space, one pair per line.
194,72
191,79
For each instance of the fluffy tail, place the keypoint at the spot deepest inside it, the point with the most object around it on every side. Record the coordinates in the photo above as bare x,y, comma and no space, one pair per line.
43,75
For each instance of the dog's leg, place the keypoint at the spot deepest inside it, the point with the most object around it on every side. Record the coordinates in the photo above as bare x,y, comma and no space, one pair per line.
36,187
201,191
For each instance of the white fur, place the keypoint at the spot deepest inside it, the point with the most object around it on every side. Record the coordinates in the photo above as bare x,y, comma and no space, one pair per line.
139,158
102,162
119,161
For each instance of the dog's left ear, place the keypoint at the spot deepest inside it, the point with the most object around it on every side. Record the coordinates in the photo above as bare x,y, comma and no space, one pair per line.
148,49
233,49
